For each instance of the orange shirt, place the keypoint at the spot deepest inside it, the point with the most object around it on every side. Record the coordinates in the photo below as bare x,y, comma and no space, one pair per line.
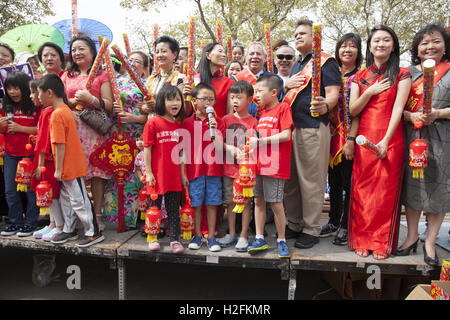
63,129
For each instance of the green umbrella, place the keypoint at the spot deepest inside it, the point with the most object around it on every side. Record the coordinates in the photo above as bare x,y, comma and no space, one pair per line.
28,38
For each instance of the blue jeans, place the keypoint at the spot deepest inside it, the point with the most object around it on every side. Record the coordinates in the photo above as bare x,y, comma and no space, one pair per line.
15,213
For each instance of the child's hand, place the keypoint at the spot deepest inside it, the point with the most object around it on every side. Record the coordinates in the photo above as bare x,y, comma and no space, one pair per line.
3,122
253,143
212,123
184,181
37,173
58,175
14,127
150,179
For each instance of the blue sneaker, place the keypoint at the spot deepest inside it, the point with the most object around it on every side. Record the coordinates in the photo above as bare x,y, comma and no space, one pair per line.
213,245
195,243
257,246
283,250
11,230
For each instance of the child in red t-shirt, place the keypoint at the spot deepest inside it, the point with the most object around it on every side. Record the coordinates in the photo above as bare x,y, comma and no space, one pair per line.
275,127
238,126
43,158
162,156
204,159
18,121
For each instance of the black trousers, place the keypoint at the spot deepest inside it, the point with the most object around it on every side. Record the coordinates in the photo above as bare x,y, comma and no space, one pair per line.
172,204
339,180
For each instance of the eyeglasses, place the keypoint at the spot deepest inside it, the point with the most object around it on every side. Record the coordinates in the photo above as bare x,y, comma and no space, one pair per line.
285,56
210,100
136,61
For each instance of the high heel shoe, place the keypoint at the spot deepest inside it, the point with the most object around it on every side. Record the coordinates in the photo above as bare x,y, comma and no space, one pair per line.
431,262
406,251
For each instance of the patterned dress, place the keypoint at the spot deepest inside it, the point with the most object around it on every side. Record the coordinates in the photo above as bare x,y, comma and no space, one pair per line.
130,96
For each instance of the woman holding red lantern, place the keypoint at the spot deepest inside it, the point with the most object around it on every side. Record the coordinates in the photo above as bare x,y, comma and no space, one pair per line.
378,96
18,121
430,194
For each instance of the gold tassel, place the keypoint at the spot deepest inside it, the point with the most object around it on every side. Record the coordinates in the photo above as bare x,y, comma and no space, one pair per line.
247,192
239,208
187,235
44,211
22,187
151,238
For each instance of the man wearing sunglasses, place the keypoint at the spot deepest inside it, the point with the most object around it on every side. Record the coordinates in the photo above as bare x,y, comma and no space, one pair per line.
284,60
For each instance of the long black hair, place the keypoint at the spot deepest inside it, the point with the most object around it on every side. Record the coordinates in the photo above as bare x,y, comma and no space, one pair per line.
418,37
356,39
204,65
73,67
168,92
20,80
393,63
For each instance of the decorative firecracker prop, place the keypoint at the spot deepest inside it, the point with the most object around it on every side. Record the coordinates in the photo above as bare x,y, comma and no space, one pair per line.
153,221
187,218
2,148
24,172
44,194
418,154
247,173
238,197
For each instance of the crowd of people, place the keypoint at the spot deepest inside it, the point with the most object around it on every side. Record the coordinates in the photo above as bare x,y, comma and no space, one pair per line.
295,141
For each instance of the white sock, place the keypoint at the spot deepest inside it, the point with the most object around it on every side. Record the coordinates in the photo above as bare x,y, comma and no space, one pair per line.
260,236
279,240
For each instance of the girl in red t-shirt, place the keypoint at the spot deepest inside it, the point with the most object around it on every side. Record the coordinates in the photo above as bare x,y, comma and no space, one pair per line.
163,166
43,158
18,121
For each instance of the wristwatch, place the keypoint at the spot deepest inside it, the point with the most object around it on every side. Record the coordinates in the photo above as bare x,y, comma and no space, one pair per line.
351,138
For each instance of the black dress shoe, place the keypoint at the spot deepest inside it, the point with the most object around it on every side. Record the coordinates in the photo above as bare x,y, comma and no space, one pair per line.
431,262
406,251
306,241
291,234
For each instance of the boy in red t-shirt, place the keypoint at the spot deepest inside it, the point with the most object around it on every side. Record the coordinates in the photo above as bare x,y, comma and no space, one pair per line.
70,165
275,127
238,125
204,159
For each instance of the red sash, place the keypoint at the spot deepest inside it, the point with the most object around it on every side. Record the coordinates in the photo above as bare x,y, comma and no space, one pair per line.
246,75
307,72
415,99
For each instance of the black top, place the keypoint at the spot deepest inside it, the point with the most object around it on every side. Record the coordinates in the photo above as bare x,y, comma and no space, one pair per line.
330,76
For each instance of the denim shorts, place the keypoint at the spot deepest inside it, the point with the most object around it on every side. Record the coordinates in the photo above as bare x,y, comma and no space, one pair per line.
205,189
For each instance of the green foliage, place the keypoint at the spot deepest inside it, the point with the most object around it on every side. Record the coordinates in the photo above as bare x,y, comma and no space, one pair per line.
14,13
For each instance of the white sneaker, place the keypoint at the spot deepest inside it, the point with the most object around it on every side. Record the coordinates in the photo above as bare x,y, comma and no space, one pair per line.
49,236
38,234
242,245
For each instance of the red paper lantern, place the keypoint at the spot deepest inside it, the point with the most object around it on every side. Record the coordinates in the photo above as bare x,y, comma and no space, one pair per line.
418,157
153,221
24,172
238,197
187,218
2,148
44,195
144,202
247,174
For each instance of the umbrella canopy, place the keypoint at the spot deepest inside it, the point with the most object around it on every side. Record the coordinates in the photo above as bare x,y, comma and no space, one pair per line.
88,27
28,38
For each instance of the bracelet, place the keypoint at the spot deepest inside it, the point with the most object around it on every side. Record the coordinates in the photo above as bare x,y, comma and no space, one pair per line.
92,101
351,138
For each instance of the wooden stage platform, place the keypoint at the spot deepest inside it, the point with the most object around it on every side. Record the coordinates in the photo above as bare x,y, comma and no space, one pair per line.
130,245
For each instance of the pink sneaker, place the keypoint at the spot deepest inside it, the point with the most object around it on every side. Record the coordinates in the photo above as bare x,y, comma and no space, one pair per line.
177,247
154,246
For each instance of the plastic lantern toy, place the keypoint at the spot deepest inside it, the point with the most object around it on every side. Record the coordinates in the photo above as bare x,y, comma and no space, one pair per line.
144,202
44,194
153,221
238,197
24,172
2,148
187,218
247,174
418,154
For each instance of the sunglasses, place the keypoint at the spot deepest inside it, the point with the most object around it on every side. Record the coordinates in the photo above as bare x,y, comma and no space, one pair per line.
285,56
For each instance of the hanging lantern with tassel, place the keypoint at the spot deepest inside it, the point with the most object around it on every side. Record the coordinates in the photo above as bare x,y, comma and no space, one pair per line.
44,194
153,221
2,148
24,172
187,218
247,173
418,154
238,197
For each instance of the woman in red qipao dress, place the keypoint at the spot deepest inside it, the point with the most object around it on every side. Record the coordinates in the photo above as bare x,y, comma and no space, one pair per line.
378,96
